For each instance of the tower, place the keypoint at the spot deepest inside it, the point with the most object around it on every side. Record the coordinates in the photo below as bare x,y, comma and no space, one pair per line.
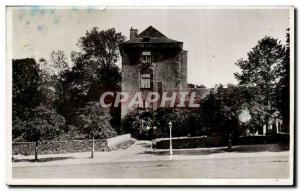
152,62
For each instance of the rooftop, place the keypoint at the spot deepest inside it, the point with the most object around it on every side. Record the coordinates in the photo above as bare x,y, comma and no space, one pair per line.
152,36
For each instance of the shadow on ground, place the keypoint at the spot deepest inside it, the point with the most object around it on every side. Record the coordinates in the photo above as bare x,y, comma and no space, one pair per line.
49,159
235,149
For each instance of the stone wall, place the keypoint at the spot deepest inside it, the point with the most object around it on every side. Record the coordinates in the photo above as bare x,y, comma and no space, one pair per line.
167,72
169,67
58,147
183,68
68,146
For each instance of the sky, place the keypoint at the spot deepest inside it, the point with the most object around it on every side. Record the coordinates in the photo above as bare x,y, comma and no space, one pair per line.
214,38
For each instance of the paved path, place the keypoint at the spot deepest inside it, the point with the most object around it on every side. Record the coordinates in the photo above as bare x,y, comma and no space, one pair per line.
142,151
140,161
258,167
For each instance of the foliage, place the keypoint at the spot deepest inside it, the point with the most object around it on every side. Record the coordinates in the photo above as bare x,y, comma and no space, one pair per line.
190,85
220,109
17,128
282,102
59,63
43,124
185,122
94,121
26,92
55,85
59,67
137,123
201,86
94,72
177,117
94,65
51,74
259,76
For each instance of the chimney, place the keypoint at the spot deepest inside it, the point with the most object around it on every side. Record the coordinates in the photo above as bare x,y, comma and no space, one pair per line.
133,33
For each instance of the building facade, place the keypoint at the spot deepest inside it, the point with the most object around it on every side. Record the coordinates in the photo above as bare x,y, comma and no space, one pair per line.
152,62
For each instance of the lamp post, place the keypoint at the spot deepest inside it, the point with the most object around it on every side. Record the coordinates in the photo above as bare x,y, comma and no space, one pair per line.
153,137
171,149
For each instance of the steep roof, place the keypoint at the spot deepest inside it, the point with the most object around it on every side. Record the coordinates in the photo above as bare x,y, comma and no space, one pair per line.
151,35
151,32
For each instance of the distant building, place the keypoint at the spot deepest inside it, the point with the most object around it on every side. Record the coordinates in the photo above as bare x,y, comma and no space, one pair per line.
152,62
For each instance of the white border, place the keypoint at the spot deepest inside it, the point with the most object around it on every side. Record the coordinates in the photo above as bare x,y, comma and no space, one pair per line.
12,181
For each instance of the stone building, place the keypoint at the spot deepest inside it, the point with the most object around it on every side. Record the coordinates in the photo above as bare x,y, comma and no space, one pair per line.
152,62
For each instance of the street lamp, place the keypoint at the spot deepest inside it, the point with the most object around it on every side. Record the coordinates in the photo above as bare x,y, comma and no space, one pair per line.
171,149
153,137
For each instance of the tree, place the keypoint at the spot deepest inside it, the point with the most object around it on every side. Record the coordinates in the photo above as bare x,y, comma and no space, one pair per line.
58,62
52,75
95,63
17,127
94,71
42,124
59,67
178,117
94,121
259,75
220,109
191,85
283,85
196,86
201,86
26,92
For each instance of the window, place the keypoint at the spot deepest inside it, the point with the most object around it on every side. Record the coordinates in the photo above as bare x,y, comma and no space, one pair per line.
146,58
146,71
159,88
145,81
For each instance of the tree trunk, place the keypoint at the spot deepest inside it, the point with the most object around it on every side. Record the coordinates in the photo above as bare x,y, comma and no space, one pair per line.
93,148
229,143
36,150
267,124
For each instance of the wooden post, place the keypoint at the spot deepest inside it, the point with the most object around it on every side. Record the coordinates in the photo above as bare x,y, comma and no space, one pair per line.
93,147
36,151
230,143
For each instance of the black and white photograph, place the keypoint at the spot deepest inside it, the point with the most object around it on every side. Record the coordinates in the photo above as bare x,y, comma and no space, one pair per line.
150,95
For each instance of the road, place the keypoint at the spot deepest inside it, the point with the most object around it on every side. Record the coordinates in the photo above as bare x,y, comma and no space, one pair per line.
243,167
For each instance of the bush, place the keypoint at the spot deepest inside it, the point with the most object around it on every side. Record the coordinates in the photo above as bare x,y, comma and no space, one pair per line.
191,142
204,142
138,123
252,140
185,122
94,121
